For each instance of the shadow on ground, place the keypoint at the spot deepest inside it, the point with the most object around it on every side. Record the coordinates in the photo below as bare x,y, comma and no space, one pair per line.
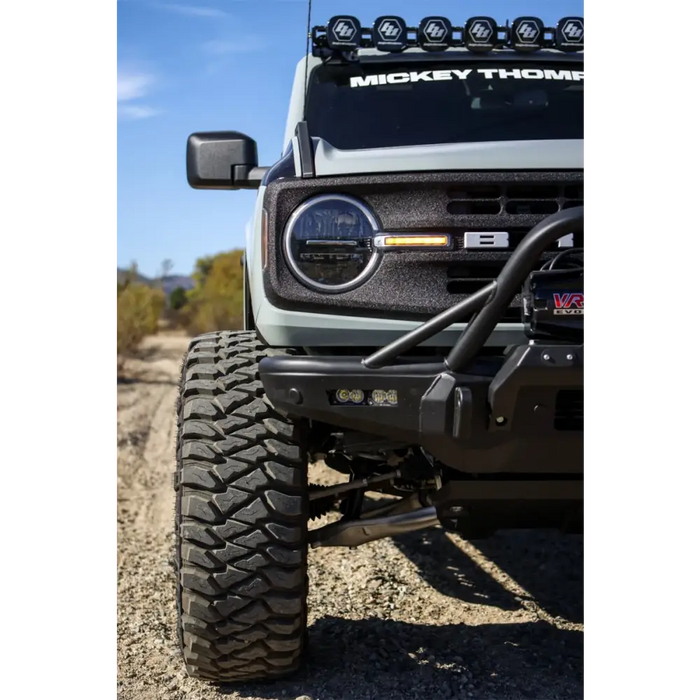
362,659
547,564
386,659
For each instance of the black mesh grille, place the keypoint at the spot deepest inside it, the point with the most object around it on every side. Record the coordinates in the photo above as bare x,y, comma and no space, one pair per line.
568,410
517,199
504,202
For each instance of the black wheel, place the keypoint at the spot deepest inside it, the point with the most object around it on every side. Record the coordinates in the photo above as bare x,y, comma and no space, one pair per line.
241,517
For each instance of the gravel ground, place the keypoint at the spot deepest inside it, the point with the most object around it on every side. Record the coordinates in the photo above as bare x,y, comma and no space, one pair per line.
425,615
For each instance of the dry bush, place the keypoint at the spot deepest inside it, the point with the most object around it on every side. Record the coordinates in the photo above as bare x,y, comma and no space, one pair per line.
216,302
138,309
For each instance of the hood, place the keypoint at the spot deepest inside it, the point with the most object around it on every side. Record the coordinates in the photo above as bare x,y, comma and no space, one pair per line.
489,155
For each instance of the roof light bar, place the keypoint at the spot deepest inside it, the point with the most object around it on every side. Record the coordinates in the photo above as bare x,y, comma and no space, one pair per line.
344,34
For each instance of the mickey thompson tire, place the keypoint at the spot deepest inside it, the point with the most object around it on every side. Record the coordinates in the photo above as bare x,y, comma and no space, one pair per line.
241,517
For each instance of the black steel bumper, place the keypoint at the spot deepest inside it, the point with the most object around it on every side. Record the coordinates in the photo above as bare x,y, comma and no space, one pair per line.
521,413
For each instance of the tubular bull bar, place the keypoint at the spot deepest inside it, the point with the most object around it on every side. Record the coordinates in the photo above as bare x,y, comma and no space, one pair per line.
475,414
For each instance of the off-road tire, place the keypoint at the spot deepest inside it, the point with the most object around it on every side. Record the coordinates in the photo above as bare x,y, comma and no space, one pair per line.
241,517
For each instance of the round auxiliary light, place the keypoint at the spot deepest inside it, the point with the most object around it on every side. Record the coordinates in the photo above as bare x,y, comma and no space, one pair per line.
328,243
378,396
357,396
342,395
392,397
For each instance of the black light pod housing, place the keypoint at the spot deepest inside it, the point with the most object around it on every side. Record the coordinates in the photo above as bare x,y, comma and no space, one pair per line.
390,33
570,34
527,34
435,33
344,33
480,34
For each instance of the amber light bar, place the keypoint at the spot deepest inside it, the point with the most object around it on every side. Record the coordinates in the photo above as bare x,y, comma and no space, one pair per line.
413,241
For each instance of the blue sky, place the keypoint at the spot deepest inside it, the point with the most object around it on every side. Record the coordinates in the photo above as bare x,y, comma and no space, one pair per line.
200,65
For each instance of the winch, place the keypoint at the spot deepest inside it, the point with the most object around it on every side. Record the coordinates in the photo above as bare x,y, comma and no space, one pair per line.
553,303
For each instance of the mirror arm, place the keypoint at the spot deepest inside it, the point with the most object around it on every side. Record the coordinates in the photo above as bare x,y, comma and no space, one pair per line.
244,177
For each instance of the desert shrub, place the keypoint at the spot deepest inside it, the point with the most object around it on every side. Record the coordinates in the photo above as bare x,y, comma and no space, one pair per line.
138,309
216,302
178,298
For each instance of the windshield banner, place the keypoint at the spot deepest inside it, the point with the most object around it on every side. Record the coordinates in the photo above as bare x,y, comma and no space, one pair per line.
488,73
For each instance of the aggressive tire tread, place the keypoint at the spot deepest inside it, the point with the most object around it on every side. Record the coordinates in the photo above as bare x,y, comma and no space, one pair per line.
241,514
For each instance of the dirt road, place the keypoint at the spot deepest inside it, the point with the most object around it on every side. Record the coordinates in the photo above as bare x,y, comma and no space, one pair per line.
425,615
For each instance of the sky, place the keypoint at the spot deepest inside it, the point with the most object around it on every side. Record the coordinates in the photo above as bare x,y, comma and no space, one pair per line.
207,65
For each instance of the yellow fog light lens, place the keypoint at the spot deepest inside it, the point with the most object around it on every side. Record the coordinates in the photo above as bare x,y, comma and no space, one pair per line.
392,397
342,395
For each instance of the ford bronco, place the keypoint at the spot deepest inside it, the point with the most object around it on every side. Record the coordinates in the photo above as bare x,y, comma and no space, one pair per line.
413,317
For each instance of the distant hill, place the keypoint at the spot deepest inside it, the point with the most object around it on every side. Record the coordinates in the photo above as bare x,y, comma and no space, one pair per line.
169,282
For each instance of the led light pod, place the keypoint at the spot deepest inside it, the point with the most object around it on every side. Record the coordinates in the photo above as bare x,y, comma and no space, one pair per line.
527,34
357,396
379,397
568,35
342,396
390,33
480,34
344,33
435,33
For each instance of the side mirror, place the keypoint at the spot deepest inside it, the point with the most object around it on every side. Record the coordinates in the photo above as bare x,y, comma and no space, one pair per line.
223,160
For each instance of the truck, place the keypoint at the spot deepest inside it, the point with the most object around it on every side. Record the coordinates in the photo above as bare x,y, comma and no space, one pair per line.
413,316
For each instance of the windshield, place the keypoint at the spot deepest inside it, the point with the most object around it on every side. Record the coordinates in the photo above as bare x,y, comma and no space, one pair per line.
384,105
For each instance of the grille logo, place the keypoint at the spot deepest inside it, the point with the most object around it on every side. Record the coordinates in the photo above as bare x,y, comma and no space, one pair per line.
501,239
491,239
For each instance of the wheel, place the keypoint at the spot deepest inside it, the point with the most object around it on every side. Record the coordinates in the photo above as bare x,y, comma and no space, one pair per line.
241,517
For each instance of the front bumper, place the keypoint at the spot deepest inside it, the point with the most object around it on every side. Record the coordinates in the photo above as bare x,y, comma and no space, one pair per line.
521,413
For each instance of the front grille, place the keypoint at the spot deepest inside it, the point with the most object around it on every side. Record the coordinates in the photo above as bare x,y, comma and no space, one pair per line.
516,199
568,410
417,284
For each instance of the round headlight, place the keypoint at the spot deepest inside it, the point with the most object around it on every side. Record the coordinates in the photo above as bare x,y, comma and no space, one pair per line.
328,243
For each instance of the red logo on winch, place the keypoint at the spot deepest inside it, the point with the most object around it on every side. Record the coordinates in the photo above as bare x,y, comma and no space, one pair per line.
569,304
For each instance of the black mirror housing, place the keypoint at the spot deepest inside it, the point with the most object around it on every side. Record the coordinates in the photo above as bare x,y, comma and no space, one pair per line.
223,160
